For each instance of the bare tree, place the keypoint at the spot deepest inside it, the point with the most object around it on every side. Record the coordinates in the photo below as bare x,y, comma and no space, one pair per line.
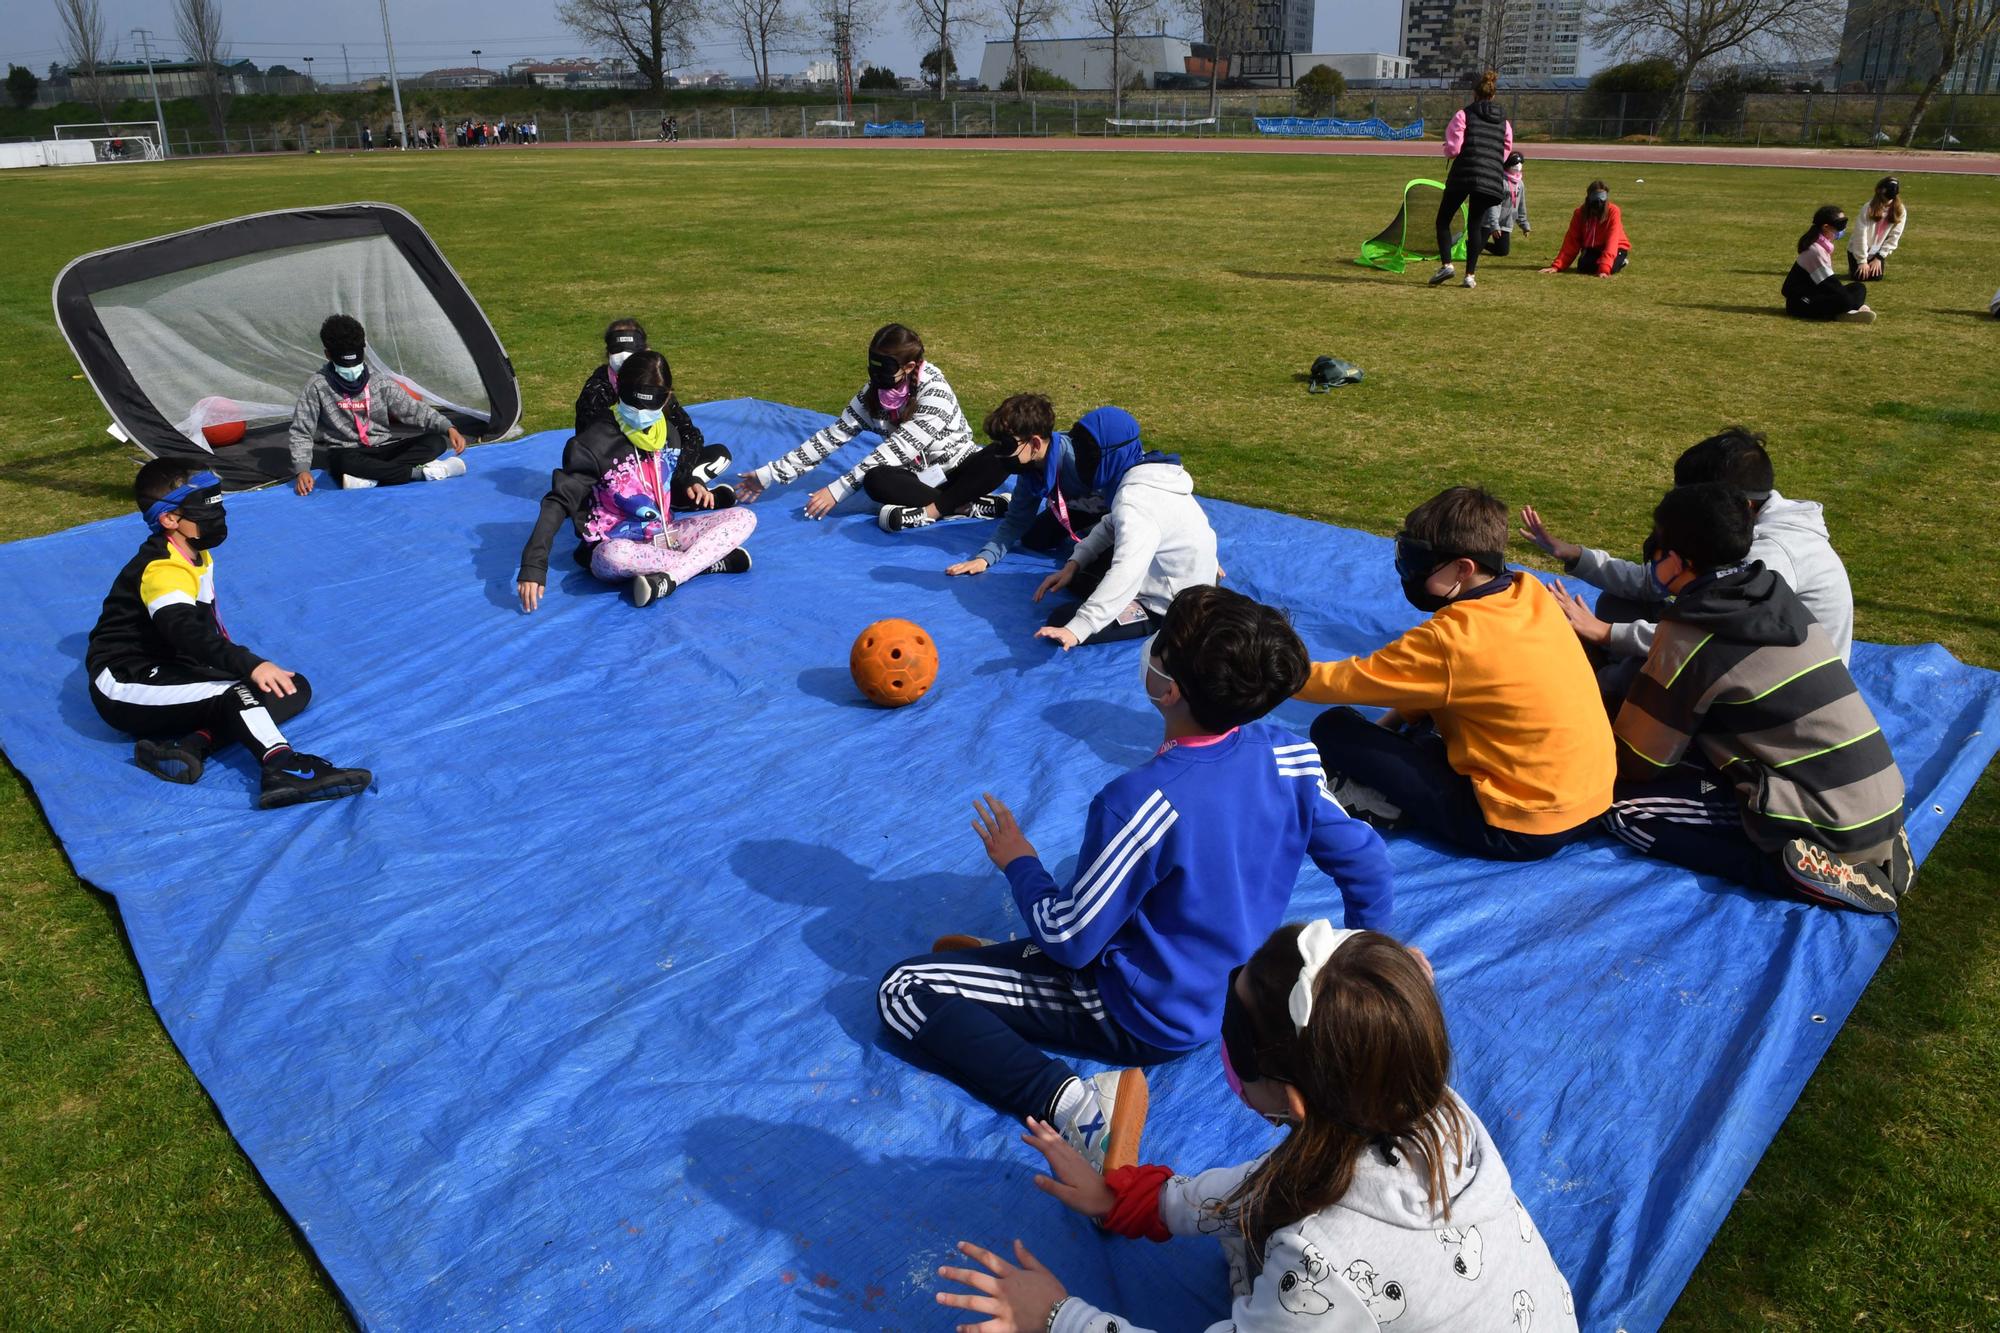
1225,26
86,45
198,23
1020,20
937,19
1488,32
841,24
1117,20
655,34
1692,32
1956,27
759,26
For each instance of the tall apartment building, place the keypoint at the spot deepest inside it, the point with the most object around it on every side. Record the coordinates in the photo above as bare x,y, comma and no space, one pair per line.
1536,39
1885,46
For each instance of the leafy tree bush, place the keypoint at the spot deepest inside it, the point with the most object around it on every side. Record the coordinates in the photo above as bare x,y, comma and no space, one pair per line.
1318,89
1646,86
874,76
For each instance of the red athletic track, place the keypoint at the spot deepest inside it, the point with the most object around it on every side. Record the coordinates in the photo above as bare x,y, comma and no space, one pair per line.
1847,159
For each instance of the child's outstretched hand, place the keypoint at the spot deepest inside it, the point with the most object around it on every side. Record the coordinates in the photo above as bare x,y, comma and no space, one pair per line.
821,503
1016,1300
1538,532
1581,618
1075,1184
748,488
1061,635
997,828
1056,581
303,483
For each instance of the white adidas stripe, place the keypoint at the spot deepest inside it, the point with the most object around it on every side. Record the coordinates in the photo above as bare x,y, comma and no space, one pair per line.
1098,888
1059,912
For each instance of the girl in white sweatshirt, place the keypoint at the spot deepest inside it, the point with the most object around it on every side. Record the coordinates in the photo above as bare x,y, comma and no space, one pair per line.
1877,232
1386,1202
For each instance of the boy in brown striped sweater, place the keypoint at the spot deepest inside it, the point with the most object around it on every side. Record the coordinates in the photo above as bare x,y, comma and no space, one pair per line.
1745,748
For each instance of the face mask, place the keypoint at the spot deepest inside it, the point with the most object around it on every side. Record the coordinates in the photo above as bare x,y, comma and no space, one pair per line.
1147,671
349,373
1417,595
214,525
616,360
892,400
1600,198
1653,558
1842,232
640,418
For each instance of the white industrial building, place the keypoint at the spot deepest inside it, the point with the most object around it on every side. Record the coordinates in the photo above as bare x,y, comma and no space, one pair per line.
1086,61
1352,65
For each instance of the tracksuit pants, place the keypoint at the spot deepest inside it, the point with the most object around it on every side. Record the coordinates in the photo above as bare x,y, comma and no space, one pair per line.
981,473
982,1016
389,464
168,702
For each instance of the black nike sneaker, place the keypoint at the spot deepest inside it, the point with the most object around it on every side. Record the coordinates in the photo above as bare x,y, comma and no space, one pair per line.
291,778
172,761
724,494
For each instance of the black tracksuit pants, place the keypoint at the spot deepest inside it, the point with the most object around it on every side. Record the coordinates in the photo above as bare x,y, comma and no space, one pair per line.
168,702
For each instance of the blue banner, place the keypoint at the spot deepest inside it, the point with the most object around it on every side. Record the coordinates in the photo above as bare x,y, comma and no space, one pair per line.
1304,127
895,129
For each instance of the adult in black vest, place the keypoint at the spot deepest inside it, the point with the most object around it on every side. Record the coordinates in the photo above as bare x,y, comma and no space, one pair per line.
1477,141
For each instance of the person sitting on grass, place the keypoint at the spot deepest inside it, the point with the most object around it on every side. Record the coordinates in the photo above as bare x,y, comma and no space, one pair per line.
1052,506
1880,232
1788,537
163,669
906,401
1154,542
352,414
1745,749
1810,290
1371,1210
1595,242
621,479
1495,740
1187,863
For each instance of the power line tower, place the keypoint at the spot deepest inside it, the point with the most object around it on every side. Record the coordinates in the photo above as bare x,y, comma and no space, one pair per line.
843,58
145,36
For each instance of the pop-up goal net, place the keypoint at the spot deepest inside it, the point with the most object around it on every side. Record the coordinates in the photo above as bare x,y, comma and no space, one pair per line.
1396,244
109,141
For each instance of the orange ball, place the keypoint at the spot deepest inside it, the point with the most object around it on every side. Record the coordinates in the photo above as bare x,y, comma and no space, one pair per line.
222,433
894,662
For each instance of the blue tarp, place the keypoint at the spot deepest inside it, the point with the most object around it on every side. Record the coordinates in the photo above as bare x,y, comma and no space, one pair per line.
571,1020
893,129
1321,127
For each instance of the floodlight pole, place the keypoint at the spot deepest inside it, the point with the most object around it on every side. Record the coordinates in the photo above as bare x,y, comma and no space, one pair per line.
395,88
145,36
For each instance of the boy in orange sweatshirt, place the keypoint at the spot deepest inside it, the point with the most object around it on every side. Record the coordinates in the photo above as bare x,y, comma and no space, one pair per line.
1495,739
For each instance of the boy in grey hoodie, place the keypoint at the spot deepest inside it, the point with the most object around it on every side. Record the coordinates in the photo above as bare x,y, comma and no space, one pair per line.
351,414
1411,1222
1789,538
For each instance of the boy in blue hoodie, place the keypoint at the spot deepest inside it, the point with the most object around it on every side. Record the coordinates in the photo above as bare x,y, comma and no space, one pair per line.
1187,863
1047,484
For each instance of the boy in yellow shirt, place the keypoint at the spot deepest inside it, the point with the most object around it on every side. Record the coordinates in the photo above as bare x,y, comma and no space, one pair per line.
1495,740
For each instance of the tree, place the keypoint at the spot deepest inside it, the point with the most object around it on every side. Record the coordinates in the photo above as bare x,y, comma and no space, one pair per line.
1117,20
1035,79
86,45
1636,91
1479,35
1718,108
1957,27
22,86
1021,19
1225,28
874,76
655,35
757,26
1318,89
937,19
198,23
1692,32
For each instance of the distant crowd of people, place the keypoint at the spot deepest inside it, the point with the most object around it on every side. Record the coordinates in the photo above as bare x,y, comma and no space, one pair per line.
467,133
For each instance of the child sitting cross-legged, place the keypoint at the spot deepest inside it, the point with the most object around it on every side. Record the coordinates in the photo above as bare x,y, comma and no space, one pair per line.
1495,739
1745,748
352,415
1386,1204
1187,862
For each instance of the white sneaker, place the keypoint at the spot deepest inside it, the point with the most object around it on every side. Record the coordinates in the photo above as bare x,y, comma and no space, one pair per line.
1445,273
442,469
901,518
1364,803
1109,1120
1470,281
350,482
1862,316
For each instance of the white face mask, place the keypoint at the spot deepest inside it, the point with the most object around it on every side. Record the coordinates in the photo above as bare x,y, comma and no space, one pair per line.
616,361
1147,671
349,373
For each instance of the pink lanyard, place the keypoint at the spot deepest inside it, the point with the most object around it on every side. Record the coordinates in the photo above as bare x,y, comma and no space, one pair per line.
1061,511
365,403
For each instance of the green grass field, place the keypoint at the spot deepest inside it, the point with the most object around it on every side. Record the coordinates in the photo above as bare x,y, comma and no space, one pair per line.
1195,290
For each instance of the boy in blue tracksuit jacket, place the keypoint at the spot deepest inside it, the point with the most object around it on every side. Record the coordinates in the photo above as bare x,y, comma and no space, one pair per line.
1044,463
1187,864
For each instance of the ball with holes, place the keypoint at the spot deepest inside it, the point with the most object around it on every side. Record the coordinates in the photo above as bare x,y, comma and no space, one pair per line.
222,429
894,662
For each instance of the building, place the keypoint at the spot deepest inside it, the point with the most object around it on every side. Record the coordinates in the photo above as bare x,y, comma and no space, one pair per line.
1538,40
1086,61
460,77
1884,47
128,80
823,71
1353,66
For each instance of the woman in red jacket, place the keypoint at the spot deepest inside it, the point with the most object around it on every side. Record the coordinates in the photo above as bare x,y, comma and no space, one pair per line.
1596,241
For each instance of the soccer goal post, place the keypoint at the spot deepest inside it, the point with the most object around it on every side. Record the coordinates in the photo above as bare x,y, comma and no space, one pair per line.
112,141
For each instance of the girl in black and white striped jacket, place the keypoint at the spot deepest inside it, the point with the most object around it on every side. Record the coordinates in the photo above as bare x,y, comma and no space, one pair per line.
906,400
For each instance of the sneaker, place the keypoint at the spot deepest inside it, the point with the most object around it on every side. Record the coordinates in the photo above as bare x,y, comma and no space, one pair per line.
724,495
1825,878
291,777
1862,316
1107,1125
1902,865
736,562
901,518
650,588
986,506
959,943
1470,281
443,469
1366,804
1445,273
171,761
350,482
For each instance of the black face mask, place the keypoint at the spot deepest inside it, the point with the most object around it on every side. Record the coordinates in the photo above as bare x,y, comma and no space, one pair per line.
1417,595
882,371
214,525
1417,560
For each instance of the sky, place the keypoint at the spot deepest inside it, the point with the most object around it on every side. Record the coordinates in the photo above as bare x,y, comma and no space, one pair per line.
435,36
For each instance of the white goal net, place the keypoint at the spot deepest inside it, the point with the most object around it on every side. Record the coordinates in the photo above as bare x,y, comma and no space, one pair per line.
108,141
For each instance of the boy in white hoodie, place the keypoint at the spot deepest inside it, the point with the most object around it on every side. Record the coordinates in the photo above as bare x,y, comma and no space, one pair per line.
1386,1203
1790,539
1159,540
